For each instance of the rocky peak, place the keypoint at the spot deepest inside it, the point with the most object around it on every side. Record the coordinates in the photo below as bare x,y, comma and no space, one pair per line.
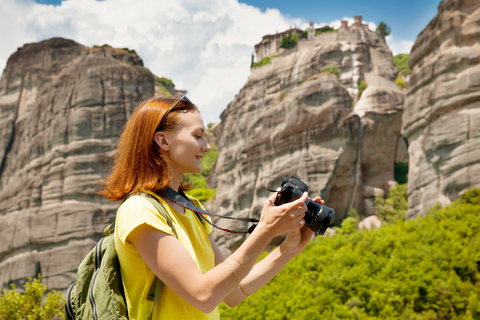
301,115
442,117
62,106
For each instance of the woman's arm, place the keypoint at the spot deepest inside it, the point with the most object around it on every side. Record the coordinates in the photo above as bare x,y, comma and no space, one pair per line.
265,270
206,291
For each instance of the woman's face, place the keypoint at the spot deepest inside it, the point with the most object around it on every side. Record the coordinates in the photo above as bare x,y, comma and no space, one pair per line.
185,146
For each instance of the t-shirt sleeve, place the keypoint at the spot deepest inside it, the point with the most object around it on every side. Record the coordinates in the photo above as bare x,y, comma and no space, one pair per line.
135,212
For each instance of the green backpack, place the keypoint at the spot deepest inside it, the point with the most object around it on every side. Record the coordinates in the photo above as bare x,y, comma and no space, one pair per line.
98,291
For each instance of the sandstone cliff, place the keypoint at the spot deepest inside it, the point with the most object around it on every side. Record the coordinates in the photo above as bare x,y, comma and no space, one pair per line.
442,114
62,106
292,119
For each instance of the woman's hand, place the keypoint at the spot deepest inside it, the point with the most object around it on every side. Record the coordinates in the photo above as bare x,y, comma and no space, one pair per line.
278,220
298,238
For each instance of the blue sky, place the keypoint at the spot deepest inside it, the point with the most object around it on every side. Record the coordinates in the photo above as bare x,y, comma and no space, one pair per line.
204,46
407,18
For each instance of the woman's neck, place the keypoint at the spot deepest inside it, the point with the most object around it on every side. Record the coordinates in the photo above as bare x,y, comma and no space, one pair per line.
175,182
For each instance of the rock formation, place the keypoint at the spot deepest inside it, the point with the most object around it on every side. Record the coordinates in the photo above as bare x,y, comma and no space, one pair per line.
442,114
291,118
62,106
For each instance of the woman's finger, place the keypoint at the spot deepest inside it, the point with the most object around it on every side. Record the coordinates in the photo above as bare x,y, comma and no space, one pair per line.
299,203
319,200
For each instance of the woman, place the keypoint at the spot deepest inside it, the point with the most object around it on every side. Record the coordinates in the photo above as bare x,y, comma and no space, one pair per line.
163,140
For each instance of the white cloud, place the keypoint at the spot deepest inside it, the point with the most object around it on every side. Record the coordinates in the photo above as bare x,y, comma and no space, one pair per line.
204,46
398,45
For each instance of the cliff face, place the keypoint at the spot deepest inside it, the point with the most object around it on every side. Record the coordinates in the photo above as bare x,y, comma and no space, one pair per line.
442,114
292,119
62,106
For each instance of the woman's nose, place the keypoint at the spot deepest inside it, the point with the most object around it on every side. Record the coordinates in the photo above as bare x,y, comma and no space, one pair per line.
206,147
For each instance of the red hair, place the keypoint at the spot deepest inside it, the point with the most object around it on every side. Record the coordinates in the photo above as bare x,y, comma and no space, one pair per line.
138,163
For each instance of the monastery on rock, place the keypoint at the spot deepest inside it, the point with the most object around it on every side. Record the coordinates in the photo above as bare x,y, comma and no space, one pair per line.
270,44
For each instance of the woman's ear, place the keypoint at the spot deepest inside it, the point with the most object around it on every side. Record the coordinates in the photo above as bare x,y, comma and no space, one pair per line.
161,140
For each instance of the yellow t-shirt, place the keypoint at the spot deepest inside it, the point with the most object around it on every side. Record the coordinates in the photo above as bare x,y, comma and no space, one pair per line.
137,276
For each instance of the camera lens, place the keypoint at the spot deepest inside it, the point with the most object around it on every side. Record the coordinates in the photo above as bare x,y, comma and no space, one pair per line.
318,217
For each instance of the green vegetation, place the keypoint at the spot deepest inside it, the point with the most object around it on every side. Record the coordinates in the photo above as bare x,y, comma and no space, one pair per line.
400,83
289,41
325,29
32,303
164,81
103,46
54,63
164,91
401,63
264,61
131,51
394,208
332,69
198,181
427,268
361,87
383,29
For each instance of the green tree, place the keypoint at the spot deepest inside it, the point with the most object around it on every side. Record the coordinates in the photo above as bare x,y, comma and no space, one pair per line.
289,41
383,29
324,29
32,303
401,63
426,268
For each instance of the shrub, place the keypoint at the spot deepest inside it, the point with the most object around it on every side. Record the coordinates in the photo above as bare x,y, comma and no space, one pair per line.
131,51
361,87
32,303
332,69
164,91
164,81
427,268
401,63
400,83
54,63
264,61
103,46
393,208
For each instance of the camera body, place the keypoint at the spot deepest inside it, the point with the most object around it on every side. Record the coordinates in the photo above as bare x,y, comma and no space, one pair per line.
317,217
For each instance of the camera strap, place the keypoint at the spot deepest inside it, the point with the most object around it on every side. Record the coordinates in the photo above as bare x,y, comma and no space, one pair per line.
182,200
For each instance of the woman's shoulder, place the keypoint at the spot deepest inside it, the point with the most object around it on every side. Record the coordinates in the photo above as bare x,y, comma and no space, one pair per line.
135,201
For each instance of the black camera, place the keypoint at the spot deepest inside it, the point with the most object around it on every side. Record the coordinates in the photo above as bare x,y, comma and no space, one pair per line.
317,216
